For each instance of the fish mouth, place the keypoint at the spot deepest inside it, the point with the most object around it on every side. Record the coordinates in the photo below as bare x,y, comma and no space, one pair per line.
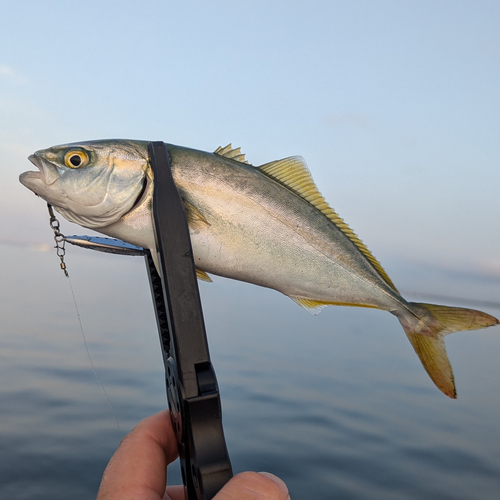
48,172
38,181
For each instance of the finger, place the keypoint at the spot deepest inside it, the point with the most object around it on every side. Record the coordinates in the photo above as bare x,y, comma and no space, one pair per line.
174,493
138,469
254,486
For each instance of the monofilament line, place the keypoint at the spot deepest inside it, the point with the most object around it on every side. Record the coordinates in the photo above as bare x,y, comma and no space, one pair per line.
88,353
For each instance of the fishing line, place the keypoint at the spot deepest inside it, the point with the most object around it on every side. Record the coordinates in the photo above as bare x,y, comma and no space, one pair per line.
88,353
60,240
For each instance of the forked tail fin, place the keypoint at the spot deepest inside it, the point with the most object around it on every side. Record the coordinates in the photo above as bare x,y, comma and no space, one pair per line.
426,330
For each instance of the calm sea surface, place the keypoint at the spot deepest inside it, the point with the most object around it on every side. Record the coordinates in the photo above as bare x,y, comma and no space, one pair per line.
337,405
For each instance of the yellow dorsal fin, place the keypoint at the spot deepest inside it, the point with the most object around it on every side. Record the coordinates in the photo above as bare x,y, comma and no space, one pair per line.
203,276
229,152
293,173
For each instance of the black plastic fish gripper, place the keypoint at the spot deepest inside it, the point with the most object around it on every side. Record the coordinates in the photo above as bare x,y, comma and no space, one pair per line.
192,390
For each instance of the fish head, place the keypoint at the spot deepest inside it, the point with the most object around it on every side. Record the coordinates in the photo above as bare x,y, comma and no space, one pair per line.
90,183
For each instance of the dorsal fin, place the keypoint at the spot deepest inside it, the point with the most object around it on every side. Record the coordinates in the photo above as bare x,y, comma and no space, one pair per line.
229,152
293,173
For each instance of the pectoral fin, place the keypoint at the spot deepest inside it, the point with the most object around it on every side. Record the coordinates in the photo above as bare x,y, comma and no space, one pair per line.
194,217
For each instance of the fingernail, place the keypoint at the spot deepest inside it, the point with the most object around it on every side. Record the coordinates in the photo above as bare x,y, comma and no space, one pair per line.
278,481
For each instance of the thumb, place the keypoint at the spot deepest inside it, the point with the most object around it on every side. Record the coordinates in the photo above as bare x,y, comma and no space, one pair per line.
254,486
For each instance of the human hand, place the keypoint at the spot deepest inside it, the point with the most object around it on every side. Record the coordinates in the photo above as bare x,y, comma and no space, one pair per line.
138,469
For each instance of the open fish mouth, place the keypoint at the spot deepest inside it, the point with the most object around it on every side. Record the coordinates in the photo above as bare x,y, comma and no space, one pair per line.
48,173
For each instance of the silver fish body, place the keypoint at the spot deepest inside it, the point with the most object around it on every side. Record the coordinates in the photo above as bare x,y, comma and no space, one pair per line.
257,231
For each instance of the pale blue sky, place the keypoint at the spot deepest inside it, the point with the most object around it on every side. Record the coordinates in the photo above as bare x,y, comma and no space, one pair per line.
394,104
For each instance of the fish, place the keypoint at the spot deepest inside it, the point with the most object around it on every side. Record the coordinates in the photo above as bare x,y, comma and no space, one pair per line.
267,225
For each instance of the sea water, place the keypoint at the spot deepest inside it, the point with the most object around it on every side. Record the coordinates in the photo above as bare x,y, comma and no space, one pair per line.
337,405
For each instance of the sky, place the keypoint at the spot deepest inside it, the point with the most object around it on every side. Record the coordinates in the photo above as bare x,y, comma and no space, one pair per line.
395,105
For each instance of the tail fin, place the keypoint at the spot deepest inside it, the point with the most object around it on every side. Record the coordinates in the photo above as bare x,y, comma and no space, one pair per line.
426,330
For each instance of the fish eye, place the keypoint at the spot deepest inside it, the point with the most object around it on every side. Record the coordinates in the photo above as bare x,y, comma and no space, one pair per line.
76,158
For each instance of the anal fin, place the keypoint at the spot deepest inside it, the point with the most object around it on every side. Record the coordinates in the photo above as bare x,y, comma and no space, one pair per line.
316,306
311,306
